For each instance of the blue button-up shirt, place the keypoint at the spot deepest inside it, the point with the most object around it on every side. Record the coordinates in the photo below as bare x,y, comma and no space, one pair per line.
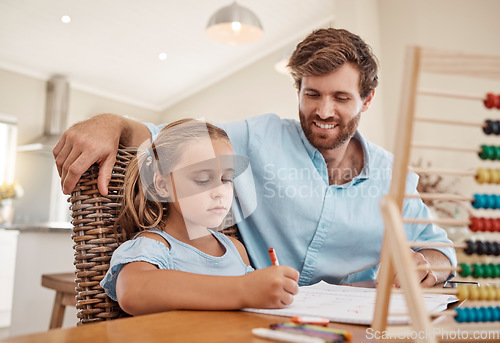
284,200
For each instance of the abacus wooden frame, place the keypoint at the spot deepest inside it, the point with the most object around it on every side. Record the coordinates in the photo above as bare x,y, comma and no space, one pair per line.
398,256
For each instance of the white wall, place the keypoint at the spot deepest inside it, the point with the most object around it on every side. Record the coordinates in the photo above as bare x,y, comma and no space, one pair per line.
457,25
255,90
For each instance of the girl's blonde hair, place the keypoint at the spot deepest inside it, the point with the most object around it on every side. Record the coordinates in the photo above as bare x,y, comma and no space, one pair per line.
142,207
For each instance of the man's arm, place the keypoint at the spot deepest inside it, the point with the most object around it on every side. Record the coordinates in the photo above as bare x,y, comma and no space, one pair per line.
92,141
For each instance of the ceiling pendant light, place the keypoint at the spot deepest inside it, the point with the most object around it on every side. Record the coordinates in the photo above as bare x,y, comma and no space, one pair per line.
234,24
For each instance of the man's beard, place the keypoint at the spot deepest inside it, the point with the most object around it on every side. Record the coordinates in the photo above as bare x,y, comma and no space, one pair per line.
324,141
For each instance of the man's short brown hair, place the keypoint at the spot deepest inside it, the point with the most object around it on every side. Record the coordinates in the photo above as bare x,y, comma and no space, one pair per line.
325,50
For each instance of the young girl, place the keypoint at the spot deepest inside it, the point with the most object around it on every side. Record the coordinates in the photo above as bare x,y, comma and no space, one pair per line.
175,191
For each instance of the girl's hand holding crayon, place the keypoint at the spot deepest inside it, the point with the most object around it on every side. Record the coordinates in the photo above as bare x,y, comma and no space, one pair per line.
272,287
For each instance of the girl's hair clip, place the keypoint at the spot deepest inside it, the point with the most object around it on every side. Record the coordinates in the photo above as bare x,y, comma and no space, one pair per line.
149,159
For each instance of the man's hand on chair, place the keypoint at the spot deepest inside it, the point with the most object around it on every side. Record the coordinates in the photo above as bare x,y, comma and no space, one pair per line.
92,141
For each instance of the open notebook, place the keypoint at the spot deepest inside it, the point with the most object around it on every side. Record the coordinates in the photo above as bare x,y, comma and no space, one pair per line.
354,305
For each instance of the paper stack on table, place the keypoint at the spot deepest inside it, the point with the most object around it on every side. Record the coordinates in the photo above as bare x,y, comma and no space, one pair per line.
353,305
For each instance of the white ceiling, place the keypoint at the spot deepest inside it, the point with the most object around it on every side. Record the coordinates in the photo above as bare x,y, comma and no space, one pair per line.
111,47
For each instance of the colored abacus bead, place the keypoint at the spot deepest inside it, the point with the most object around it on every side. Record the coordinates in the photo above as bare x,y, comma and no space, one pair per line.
486,201
474,293
475,224
477,270
488,224
486,152
465,270
462,292
479,201
488,314
496,311
488,127
483,293
496,273
462,315
482,175
494,247
487,271
494,175
493,202
479,314
490,201
483,248
490,101
470,249
487,244
496,226
491,127
492,294
480,247
473,314
489,152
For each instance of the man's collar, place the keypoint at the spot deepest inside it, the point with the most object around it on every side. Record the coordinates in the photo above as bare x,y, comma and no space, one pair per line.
312,151
365,172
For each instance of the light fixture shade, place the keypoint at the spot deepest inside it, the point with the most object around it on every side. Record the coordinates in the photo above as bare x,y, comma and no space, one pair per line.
234,24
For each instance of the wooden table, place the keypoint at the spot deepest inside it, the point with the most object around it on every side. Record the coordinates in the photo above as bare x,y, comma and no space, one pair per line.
174,326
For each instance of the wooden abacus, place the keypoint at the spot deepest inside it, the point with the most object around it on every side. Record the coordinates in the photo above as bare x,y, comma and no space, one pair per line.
396,256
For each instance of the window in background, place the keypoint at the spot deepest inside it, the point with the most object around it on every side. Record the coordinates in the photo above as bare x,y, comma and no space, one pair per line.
8,143
8,238
8,188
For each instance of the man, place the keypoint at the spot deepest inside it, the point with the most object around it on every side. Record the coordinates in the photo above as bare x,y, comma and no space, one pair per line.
318,182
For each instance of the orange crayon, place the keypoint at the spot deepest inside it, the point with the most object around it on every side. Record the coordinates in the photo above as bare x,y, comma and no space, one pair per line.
274,258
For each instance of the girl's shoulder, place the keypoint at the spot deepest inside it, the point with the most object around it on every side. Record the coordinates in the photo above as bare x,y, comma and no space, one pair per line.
153,234
141,248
